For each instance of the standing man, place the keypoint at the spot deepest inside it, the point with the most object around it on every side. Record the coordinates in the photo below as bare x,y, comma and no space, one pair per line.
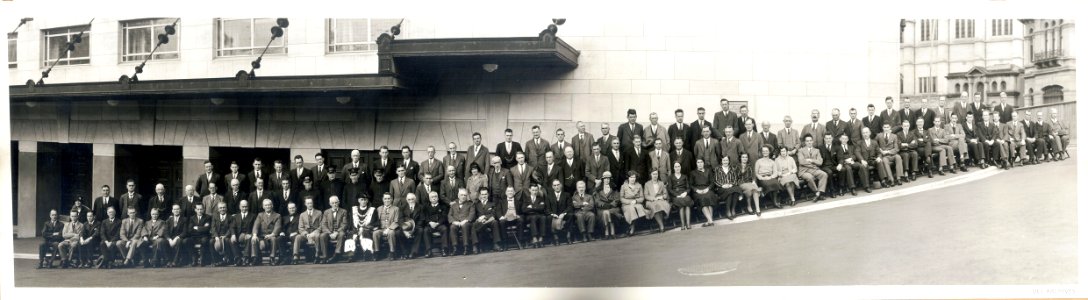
507,151
742,118
853,127
284,197
906,113
651,133
234,175
769,139
477,153
659,161
960,108
617,161
384,164
596,165
559,145
160,202
212,200
207,178
132,199
605,140
450,185
321,170
258,174
583,143
498,177
411,167
453,159
189,201
636,160
872,121
235,196
706,148
676,130
430,166
300,172
551,170
890,117
814,129
835,127
976,108
926,115
724,118
334,186
105,202
678,155
788,138
401,187
575,169
731,146
279,175
537,146
257,196
699,124
628,131
750,142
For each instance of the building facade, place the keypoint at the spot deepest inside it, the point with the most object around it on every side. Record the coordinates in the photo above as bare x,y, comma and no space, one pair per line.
332,85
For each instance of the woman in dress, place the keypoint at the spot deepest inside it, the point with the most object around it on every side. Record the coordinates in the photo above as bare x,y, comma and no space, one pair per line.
607,202
679,186
702,179
631,201
747,180
475,181
767,175
725,181
655,193
787,173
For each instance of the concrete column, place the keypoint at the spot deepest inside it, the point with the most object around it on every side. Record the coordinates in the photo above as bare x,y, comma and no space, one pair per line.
192,163
102,170
28,189
307,158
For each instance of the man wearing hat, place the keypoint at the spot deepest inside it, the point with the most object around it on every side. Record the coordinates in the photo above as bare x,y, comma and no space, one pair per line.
355,189
309,190
334,186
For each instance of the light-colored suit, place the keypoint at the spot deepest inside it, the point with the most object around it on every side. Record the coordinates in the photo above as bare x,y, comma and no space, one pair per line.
709,151
660,162
790,140
211,204
648,137
941,144
522,178
817,133
401,190
309,230
334,222
809,161
583,146
889,151
595,168
751,143
1015,135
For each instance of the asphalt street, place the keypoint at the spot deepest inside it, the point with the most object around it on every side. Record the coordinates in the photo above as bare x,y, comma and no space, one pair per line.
1016,227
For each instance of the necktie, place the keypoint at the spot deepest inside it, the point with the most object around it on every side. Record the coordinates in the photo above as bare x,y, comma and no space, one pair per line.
319,171
243,216
658,153
706,144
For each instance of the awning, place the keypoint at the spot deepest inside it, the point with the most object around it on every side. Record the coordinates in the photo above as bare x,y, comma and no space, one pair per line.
187,88
414,56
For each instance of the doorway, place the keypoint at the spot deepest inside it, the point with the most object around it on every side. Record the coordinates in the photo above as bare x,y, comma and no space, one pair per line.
148,166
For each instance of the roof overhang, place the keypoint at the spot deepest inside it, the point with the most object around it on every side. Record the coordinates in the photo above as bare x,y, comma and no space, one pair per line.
401,56
181,88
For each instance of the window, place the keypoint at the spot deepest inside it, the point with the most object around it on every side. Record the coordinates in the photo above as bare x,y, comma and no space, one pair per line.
13,59
56,39
240,37
140,36
957,89
993,86
929,30
1003,86
927,84
355,35
965,28
1027,99
1001,27
1052,94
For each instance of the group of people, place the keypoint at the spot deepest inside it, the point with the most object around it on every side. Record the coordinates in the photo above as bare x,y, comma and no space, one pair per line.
561,191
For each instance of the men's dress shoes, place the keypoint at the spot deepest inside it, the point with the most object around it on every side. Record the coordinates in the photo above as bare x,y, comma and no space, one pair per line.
429,255
853,193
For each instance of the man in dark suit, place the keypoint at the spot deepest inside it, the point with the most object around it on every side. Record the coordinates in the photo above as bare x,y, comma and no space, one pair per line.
412,222
751,142
724,118
926,114
871,121
960,108
536,147
333,186
835,126
160,202
993,145
707,148
909,150
321,172
507,150
888,143
450,185
384,164
583,145
221,231
356,163
282,198
103,203
559,207
828,165
617,161
242,233
975,136
109,233
596,165
629,130
853,127
847,164
428,185
1032,138
209,176
677,155
906,113
258,173
456,160
89,238
132,199
890,116
638,160
435,215
290,230
560,144
234,174
698,125
155,232
234,196
523,174
605,140
1004,110
177,229
976,108
299,172
477,153
279,174
498,178
731,147
487,218
51,238
744,118
575,170
401,187
378,187
769,139
257,196
266,233
188,202
551,170
356,190
677,130
199,233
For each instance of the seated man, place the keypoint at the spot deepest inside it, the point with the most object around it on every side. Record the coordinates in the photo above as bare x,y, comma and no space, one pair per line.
994,145
88,239
334,227
177,228
1058,135
110,233
941,140
290,229
200,226
411,225
957,139
510,213
51,239
70,245
309,232
908,151
924,146
583,211
155,238
868,154
221,231
435,219
366,221
266,234
388,222
809,162
461,215
486,219
974,135
848,164
559,209
132,237
888,145
242,232
1014,134
534,208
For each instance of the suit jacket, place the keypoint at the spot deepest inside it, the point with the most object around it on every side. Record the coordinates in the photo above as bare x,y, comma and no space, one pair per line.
583,147
888,142
696,131
415,214
243,225
72,230
722,119
290,224
309,222
389,170
338,223
1004,113
674,132
739,128
972,131
975,109
827,155
203,181
435,168
834,130
731,147
709,151
770,140
323,174
585,202
790,140
650,134
558,151
352,193
400,191
222,226
534,151
251,182
575,171
436,213
100,208
927,115
201,227
255,200
659,162
1042,129
638,162
498,182
232,202
627,134
275,180
345,171
462,212
852,130
211,203
907,115
686,159
955,133
136,201
817,133
605,142
617,164
815,154
422,194
332,187
481,158
411,168
296,180
267,223
906,137
448,193
91,230
522,179
109,231
558,205
944,113
377,189
840,155
895,119
279,203
960,110
491,208
1057,127
51,231
176,228
509,156
874,123
164,205
939,136
188,208
131,229
537,206
990,131
155,228
457,162
243,181
867,152
389,217
545,176
751,146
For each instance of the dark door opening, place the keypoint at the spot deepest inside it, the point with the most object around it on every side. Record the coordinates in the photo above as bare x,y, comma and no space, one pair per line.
15,182
148,166
64,173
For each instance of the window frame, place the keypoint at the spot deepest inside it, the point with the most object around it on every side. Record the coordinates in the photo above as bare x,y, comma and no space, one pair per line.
370,43
929,30
13,46
136,57
965,28
70,31
218,50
